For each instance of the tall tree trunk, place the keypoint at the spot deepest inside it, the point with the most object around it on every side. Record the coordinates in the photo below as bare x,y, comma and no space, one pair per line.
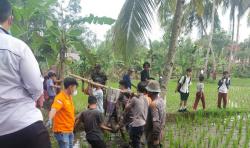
214,63
170,56
233,27
206,72
238,29
63,51
237,33
151,55
231,58
62,63
210,46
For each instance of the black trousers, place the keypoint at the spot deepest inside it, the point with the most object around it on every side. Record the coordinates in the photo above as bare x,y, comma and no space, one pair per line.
135,134
33,136
97,143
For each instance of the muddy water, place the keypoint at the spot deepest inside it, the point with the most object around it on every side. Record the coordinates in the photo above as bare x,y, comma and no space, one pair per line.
112,141
226,131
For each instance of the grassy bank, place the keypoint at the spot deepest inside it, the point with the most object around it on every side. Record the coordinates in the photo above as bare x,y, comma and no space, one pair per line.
239,96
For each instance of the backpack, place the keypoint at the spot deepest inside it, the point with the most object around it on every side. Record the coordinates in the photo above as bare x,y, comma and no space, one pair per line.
228,83
179,85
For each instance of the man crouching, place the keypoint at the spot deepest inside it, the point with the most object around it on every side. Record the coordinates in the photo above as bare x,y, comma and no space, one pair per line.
93,124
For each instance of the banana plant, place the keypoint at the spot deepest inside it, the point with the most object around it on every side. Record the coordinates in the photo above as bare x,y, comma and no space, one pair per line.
52,30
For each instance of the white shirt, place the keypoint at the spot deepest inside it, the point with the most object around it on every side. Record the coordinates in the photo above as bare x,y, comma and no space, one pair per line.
185,86
98,93
200,87
223,88
20,85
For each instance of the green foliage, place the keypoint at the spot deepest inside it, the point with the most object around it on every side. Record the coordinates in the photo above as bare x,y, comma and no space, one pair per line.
242,68
189,55
156,54
47,26
91,19
51,30
26,15
30,23
131,26
221,40
83,66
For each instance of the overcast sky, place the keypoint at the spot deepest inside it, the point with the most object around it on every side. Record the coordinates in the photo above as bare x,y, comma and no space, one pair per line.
111,8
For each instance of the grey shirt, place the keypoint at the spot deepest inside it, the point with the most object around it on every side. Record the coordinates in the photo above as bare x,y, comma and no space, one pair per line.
139,110
50,88
156,119
21,84
92,119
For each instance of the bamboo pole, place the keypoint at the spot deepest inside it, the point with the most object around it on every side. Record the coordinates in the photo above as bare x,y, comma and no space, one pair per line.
100,85
91,82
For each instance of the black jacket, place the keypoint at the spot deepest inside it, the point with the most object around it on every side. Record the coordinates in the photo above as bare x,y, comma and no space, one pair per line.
228,82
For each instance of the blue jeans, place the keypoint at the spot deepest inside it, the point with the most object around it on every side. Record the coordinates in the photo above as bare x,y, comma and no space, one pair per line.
65,140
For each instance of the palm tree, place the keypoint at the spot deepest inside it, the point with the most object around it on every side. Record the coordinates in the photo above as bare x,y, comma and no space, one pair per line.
210,16
210,46
131,27
242,7
232,5
134,22
170,56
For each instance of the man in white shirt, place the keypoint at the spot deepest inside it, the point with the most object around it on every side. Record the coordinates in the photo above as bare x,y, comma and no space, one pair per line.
97,92
223,87
183,89
21,123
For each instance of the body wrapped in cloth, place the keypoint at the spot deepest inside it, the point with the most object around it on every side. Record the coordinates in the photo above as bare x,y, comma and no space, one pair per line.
116,117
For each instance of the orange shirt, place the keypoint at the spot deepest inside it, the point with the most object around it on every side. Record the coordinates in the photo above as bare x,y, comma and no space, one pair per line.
148,99
64,118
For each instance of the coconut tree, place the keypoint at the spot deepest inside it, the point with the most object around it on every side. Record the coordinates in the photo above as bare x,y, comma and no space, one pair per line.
209,16
232,5
210,46
170,56
133,23
243,7
135,20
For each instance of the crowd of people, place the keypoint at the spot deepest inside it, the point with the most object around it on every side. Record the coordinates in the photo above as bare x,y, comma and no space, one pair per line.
22,86
137,114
